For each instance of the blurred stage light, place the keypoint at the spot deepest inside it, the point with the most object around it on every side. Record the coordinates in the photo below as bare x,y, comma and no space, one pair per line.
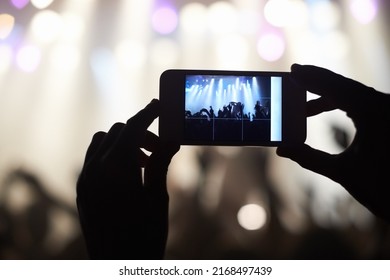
131,54
164,20
28,58
232,51
249,22
73,27
46,26
20,4
65,58
325,15
193,18
252,217
364,10
165,53
6,58
286,13
335,45
7,23
41,4
270,46
222,17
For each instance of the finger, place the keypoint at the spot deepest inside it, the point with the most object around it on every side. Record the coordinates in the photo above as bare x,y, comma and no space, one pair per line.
97,140
339,89
110,138
315,160
157,166
319,105
150,141
134,131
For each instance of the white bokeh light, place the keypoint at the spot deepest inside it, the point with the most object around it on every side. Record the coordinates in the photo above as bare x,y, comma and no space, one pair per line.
65,57
286,13
271,46
46,26
364,10
222,18
193,18
232,51
41,4
6,58
325,15
28,58
130,54
164,53
252,216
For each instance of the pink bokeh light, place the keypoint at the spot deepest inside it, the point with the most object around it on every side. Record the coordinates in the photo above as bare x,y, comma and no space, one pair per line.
164,20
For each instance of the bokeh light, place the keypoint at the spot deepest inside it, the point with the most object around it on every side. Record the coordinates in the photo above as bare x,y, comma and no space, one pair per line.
41,4
65,57
222,18
164,20
271,46
20,4
286,13
325,15
46,26
6,58
193,18
73,27
252,217
130,54
28,58
7,22
364,10
164,53
232,51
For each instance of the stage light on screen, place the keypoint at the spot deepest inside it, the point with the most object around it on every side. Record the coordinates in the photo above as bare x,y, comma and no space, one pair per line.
20,4
46,26
7,23
364,11
270,46
222,17
164,20
252,217
193,18
28,58
41,4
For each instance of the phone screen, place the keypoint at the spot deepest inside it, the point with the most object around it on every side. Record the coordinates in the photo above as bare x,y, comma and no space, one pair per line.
233,108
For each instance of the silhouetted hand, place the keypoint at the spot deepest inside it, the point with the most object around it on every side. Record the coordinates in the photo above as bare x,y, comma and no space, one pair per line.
122,215
363,168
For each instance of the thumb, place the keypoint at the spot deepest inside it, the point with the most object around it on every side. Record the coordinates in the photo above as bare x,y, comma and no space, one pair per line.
157,166
312,159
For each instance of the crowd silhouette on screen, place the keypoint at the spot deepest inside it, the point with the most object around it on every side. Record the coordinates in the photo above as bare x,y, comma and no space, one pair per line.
232,110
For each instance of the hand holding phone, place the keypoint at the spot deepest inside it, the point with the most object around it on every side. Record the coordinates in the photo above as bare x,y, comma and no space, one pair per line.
231,108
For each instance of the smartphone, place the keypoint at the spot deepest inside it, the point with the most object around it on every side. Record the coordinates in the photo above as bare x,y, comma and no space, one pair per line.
231,108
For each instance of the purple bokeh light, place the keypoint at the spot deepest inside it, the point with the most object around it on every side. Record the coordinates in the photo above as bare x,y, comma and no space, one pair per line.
164,20
19,4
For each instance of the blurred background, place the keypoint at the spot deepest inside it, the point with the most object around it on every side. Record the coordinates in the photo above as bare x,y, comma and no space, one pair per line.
70,68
